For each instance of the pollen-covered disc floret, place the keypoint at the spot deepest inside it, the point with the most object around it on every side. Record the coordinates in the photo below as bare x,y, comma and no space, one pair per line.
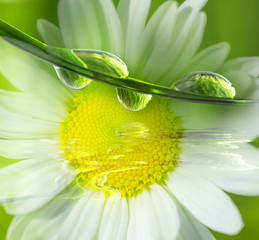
115,149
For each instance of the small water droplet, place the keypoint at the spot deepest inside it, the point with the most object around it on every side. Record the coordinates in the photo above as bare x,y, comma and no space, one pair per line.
133,101
207,84
94,60
72,80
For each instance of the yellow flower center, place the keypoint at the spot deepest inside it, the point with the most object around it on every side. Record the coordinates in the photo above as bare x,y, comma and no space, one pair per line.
117,150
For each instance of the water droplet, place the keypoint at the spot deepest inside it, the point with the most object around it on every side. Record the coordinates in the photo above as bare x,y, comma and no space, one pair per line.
94,60
207,84
72,80
133,101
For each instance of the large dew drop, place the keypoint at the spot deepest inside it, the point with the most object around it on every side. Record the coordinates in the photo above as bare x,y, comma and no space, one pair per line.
94,60
206,84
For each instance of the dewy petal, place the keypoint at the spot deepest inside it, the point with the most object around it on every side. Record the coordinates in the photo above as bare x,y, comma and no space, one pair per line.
114,223
243,74
153,215
20,103
209,59
19,126
29,184
191,228
205,201
91,24
133,16
33,77
50,33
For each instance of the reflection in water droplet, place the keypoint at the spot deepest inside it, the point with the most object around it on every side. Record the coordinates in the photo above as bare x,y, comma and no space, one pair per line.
207,84
133,101
94,60
72,80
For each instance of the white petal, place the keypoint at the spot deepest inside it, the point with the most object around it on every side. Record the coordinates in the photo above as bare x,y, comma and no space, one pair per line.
153,215
34,77
20,149
71,21
205,201
189,48
133,16
17,226
83,224
50,33
19,126
155,40
29,184
192,229
179,34
114,28
114,224
209,59
218,151
41,224
246,64
229,119
239,182
68,218
243,74
20,103
92,24
197,5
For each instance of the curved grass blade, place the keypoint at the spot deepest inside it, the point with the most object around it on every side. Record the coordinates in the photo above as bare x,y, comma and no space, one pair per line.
66,59
255,142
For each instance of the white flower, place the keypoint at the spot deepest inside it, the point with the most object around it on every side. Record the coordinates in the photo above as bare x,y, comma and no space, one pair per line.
65,136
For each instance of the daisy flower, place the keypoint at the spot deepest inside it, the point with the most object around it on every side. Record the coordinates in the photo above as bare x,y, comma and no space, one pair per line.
84,167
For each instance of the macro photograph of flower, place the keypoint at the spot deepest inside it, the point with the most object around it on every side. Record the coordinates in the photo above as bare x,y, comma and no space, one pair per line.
129,120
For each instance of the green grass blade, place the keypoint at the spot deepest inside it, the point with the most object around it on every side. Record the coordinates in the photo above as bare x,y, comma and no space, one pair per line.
65,59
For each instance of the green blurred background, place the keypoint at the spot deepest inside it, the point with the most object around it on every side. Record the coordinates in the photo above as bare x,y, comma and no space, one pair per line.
234,21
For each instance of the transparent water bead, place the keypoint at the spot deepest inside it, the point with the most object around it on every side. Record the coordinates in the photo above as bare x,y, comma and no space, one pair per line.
206,84
133,101
95,60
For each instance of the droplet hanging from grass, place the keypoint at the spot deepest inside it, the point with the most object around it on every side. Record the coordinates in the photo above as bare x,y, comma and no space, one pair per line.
206,84
98,61
133,101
